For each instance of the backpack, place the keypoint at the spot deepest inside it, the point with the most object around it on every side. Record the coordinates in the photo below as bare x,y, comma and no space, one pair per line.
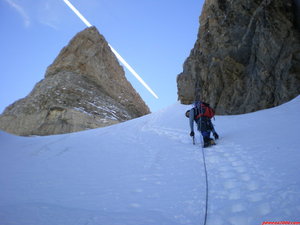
203,109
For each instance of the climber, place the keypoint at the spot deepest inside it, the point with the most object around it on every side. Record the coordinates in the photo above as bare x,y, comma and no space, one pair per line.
202,113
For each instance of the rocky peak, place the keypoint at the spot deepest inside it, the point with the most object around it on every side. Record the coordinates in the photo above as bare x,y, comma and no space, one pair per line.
89,55
246,56
85,87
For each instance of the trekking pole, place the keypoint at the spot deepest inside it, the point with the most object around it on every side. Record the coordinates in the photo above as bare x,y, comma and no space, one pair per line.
194,140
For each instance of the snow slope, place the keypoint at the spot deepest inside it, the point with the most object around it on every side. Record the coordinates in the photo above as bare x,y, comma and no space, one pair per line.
147,172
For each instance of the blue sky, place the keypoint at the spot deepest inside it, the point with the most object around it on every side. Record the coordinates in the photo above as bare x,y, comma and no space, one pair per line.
153,36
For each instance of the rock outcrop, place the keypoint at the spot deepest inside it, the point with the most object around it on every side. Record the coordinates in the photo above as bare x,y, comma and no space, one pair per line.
246,57
84,88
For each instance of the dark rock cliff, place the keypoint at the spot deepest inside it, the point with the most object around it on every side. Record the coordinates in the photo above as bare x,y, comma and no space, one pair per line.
246,57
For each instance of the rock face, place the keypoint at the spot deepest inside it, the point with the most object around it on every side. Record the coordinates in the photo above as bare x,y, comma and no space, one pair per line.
84,88
246,57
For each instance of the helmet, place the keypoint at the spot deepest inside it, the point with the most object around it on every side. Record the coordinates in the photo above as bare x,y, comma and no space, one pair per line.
197,104
187,113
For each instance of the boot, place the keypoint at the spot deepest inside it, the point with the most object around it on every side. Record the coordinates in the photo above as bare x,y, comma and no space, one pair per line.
212,142
207,142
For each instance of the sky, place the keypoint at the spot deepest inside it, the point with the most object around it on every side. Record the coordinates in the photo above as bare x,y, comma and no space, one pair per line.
153,36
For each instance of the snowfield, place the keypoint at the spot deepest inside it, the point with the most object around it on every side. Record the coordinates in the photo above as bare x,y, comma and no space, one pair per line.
147,172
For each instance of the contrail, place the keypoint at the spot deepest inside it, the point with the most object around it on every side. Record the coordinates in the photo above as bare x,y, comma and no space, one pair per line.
87,23
119,57
132,71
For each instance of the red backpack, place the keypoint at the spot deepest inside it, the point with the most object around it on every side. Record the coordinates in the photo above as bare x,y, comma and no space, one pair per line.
203,109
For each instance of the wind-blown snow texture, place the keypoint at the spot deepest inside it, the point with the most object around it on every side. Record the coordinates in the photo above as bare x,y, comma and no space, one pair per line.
147,172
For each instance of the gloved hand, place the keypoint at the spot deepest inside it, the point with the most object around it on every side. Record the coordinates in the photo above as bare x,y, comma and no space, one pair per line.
192,134
216,136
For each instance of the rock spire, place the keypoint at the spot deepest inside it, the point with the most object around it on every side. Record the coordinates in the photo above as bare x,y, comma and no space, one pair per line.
85,87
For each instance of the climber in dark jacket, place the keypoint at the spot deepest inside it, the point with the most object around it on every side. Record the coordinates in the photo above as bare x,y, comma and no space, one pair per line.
204,126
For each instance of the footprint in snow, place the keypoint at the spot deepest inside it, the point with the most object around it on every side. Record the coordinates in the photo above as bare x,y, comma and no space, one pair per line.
256,197
135,205
245,177
238,207
227,174
230,184
240,169
252,186
235,195
264,209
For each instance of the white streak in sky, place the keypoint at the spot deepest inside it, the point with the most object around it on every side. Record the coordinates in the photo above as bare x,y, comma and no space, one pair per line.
119,57
132,71
78,13
21,11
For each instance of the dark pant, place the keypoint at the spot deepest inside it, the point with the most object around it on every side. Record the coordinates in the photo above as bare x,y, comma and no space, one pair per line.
206,137
205,127
205,134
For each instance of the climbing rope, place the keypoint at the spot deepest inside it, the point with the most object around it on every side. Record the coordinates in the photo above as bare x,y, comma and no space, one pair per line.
206,181
206,178
205,170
